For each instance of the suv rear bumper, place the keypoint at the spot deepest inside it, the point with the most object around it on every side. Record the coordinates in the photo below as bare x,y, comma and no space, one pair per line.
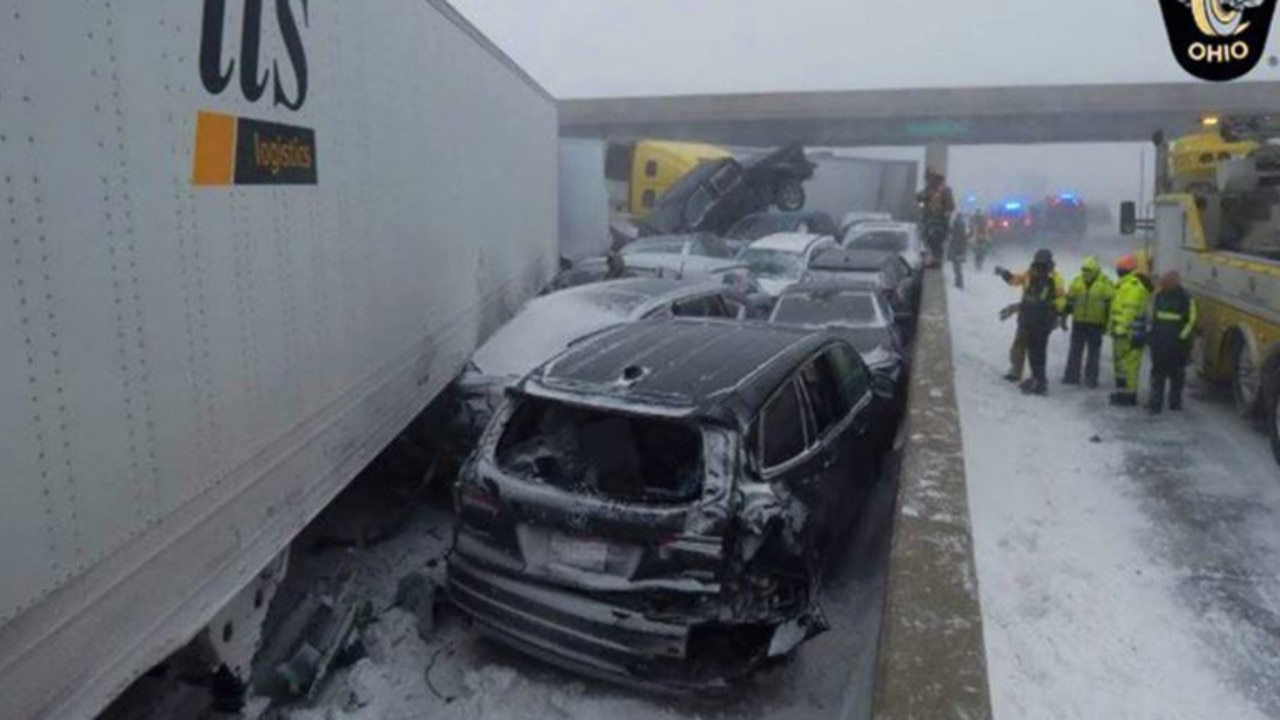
579,632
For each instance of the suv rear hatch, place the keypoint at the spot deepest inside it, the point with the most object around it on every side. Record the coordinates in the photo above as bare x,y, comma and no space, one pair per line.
594,535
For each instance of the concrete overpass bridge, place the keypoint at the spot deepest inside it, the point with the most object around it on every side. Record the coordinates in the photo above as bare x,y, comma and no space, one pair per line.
938,118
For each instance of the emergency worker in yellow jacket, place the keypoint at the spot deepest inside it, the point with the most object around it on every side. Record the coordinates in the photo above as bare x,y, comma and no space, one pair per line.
1128,329
1089,307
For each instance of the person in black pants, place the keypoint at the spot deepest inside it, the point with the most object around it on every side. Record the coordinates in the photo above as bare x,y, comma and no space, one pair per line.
1043,300
957,248
1089,307
1173,319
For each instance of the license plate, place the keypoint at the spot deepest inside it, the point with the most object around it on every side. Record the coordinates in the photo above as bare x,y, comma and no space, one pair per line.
579,553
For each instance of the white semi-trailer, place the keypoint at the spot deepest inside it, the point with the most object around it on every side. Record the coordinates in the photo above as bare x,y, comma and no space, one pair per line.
242,243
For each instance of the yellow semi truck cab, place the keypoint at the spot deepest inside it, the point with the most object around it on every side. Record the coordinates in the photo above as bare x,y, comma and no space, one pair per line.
638,171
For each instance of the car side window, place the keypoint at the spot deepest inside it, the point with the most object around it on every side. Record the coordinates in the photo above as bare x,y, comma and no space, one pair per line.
781,427
715,247
717,307
701,306
825,399
850,374
664,311
904,270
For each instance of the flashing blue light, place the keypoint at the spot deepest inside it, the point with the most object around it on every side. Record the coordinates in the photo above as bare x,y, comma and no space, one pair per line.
1013,205
1068,197
972,199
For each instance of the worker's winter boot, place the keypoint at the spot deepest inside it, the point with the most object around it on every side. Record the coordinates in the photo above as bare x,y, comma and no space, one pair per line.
1035,387
1012,376
1124,399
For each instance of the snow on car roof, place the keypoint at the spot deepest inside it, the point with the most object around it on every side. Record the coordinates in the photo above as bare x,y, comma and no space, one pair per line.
546,325
677,362
790,242
851,259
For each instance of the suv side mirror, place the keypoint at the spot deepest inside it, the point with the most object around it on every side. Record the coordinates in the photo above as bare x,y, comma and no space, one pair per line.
1128,217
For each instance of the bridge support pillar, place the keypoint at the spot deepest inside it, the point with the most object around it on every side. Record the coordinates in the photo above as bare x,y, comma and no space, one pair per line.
936,155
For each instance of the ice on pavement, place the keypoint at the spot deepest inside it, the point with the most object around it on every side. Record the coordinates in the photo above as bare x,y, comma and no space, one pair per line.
1127,564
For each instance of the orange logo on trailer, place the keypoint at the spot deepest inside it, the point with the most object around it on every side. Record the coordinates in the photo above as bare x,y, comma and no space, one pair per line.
232,150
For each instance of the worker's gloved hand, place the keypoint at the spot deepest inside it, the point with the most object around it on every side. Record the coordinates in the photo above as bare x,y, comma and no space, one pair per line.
1062,323
1008,312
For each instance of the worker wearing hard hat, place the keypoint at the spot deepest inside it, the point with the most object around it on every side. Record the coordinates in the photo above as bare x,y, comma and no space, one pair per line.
1128,329
1173,320
1043,300
1089,307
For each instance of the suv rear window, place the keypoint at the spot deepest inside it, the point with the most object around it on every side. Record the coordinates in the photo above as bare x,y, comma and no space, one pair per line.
608,454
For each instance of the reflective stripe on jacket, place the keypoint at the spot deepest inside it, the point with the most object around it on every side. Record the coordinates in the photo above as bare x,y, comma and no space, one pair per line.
1174,314
1130,304
1090,302
1060,295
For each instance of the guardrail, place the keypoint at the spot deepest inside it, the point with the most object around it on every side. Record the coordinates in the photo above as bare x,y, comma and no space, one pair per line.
932,662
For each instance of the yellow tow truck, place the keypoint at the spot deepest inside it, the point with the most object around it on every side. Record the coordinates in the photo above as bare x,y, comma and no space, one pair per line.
1216,220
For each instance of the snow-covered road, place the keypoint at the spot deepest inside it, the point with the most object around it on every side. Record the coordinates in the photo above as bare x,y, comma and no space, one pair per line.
1128,564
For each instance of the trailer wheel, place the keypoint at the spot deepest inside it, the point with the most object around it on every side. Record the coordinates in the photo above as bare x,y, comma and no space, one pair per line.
1246,381
789,195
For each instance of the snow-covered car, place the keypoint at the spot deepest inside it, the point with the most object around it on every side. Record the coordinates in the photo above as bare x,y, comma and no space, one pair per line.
865,319
548,324
655,505
781,260
696,245
759,225
592,270
860,216
902,238
883,270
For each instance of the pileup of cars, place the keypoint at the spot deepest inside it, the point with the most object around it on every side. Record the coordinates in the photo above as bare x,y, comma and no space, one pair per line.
670,446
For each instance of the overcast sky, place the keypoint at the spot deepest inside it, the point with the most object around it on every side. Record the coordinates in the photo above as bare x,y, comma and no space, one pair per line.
594,48
578,48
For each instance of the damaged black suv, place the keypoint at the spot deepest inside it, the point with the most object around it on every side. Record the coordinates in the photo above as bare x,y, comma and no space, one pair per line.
655,505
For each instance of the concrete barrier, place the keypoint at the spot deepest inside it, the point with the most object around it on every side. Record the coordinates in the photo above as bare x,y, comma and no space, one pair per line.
932,663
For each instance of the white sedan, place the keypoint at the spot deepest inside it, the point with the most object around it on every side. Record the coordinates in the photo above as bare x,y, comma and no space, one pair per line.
900,237
779,261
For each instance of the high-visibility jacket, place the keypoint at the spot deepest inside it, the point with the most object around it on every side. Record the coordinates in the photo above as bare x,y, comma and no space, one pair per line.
1173,318
1090,302
1060,295
1129,304
1043,299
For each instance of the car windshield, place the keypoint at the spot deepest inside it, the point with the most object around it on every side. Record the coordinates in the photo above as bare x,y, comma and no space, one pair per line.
757,226
825,308
867,338
769,263
859,277
889,240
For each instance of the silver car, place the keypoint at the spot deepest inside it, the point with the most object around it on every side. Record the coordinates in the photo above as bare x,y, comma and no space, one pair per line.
548,325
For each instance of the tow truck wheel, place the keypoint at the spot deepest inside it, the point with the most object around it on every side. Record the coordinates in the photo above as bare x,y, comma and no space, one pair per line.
1246,382
789,195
